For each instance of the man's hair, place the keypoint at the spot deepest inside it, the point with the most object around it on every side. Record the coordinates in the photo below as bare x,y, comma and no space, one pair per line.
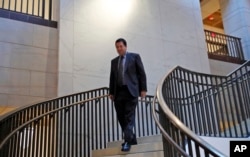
121,40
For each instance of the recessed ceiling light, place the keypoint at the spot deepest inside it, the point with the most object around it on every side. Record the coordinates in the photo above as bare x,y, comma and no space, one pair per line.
211,18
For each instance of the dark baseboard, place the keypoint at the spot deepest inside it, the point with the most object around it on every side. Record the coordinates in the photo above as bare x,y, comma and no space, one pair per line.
226,59
27,18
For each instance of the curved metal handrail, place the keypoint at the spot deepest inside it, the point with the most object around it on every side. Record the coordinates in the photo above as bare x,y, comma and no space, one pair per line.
51,112
177,122
213,75
30,105
22,114
90,114
45,114
164,133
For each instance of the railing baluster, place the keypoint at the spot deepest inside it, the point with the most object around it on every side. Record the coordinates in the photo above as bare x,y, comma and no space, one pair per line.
21,6
81,127
96,126
53,130
40,144
27,6
235,98
76,110
60,122
113,122
33,7
84,124
39,7
15,5
104,121
241,108
194,111
88,119
43,8
227,111
108,118
64,137
18,136
101,120
50,10
147,116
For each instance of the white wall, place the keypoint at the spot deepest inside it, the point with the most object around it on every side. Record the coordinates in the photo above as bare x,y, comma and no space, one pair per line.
28,62
222,68
166,33
236,15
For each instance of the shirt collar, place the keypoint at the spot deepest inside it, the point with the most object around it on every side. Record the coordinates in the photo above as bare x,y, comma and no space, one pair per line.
124,55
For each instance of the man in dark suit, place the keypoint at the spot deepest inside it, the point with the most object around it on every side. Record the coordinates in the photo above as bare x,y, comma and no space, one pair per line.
127,83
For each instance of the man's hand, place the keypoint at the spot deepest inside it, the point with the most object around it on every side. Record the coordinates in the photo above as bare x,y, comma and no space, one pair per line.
143,94
111,97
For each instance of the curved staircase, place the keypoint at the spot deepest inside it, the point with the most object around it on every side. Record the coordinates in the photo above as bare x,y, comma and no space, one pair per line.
187,105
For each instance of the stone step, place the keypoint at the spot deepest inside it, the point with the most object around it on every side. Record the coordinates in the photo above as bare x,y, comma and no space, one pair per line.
135,149
146,154
140,140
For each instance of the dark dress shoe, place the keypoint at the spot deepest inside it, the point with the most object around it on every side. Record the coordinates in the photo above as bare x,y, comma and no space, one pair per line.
126,147
131,143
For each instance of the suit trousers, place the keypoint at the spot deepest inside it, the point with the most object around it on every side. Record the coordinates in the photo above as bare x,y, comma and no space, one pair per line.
125,105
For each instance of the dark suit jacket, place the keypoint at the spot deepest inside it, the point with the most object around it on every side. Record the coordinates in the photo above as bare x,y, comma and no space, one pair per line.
134,74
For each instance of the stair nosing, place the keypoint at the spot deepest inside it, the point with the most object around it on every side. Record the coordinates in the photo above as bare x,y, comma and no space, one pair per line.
158,146
139,140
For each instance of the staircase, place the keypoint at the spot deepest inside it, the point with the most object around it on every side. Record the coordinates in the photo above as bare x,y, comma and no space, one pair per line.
150,146
187,105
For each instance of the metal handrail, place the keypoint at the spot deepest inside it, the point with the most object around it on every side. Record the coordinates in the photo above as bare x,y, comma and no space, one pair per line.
45,114
164,133
19,109
178,123
217,91
50,112
81,113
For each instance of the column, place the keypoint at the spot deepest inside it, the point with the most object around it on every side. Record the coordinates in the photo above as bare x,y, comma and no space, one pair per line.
236,21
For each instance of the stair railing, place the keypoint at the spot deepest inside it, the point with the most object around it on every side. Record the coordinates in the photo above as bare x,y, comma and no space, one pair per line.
39,8
72,125
192,104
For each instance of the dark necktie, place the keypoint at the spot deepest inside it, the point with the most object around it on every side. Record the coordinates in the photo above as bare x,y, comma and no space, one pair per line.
120,71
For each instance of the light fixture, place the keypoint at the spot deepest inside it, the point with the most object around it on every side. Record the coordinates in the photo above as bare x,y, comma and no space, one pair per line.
211,18
118,7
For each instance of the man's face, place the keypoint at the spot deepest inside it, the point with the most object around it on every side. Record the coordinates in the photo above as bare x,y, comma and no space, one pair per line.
121,48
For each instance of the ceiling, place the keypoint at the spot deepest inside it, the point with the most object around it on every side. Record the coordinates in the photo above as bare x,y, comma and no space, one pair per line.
214,20
211,13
